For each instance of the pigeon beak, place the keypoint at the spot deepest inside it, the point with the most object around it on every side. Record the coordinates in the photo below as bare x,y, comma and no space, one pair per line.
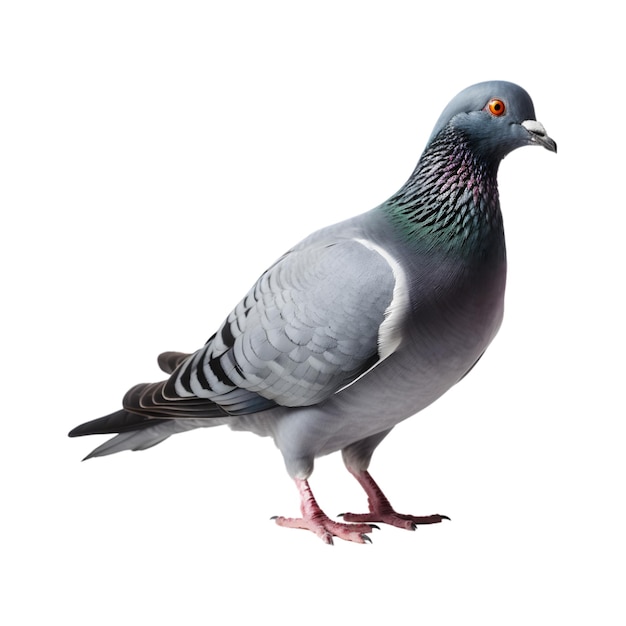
538,135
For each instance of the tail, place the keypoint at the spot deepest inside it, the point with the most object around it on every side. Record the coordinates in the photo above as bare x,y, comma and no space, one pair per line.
148,417
148,432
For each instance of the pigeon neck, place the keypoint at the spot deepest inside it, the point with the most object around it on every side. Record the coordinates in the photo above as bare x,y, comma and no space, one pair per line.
450,202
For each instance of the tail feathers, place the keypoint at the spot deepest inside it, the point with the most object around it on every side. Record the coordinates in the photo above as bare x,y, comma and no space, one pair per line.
150,416
118,422
145,406
152,434
169,361
138,440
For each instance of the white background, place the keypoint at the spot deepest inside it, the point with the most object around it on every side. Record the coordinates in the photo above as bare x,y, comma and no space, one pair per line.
155,158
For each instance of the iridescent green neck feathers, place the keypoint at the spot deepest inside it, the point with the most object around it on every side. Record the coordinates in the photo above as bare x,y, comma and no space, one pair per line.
450,202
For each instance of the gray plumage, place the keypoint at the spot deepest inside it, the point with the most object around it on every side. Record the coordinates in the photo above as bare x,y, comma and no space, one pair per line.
362,324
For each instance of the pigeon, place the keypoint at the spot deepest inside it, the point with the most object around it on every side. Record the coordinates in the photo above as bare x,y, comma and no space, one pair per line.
359,326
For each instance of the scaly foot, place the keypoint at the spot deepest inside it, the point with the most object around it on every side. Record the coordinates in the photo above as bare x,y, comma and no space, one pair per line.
382,511
315,520
391,517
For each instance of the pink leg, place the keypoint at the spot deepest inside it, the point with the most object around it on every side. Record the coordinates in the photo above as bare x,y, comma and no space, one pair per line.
382,511
315,520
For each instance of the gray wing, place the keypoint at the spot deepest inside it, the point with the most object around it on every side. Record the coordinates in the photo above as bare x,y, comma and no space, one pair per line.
311,325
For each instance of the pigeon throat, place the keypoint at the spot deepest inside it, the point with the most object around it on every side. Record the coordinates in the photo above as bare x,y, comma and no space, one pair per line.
450,202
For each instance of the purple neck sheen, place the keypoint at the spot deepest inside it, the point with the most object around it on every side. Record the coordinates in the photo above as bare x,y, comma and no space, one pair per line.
450,202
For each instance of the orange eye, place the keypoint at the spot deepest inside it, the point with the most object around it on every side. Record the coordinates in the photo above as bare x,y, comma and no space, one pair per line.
496,107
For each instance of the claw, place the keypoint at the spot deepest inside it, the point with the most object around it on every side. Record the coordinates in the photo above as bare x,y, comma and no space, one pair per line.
374,526
315,520
380,510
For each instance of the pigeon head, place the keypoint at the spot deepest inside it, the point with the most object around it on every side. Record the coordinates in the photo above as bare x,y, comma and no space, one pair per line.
495,117
451,200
